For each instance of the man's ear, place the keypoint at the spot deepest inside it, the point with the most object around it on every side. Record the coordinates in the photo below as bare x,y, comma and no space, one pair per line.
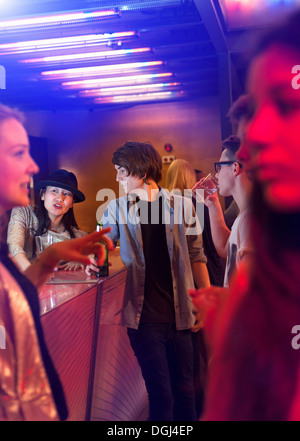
237,169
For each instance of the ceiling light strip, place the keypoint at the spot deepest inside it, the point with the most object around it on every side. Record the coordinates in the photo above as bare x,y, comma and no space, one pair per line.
63,42
137,5
135,98
100,82
45,20
88,55
142,88
94,70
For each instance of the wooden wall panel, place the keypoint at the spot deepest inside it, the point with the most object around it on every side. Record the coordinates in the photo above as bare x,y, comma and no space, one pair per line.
84,142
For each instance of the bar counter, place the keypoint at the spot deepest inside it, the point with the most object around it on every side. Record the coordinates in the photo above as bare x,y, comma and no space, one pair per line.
90,349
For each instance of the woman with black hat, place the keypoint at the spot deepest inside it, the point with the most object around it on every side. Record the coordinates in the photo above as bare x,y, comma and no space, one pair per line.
52,215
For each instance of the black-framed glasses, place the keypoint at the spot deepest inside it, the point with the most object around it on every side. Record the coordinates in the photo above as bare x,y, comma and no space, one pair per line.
218,165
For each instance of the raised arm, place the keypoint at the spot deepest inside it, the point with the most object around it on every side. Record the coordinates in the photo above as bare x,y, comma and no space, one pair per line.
219,230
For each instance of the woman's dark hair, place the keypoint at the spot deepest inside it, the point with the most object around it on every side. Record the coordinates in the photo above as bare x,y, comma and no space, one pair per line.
239,109
41,213
279,229
139,159
286,32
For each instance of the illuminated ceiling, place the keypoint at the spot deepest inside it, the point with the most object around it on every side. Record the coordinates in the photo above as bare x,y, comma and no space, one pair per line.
240,14
75,54
122,52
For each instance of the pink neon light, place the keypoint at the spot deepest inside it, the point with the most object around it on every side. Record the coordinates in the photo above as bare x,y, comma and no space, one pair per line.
143,88
93,70
255,5
100,82
51,19
61,43
235,3
87,55
135,98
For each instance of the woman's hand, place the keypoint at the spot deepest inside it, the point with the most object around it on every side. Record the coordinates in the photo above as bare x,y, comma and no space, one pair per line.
71,266
73,250
78,250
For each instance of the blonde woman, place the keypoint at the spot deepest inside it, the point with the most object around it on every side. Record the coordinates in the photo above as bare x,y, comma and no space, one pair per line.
181,175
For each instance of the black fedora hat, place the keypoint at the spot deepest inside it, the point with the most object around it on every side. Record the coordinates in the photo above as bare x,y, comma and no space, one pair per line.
62,179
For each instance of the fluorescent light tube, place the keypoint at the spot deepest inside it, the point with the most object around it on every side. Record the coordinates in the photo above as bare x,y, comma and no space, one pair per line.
44,20
142,88
87,55
135,98
126,80
94,70
62,42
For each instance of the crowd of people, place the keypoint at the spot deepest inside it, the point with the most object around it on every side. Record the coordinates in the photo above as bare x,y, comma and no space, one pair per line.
30,386
209,304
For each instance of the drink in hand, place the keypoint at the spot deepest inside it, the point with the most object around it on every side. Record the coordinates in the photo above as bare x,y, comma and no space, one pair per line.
103,269
204,188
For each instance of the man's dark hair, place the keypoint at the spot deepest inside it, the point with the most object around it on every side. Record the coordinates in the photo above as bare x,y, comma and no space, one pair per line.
231,145
239,109
139,159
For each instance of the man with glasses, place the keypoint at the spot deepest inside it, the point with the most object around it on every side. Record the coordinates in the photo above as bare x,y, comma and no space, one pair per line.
232,181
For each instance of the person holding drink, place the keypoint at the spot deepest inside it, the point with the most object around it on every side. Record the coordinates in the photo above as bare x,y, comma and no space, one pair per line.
255,369
31,230
231,180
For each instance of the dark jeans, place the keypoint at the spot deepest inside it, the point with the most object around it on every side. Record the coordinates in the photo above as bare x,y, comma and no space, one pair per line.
166,360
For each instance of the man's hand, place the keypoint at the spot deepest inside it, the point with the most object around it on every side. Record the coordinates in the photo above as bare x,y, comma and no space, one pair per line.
208,302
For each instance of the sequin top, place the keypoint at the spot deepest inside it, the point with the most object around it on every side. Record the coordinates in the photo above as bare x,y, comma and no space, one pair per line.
30,389
21,231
